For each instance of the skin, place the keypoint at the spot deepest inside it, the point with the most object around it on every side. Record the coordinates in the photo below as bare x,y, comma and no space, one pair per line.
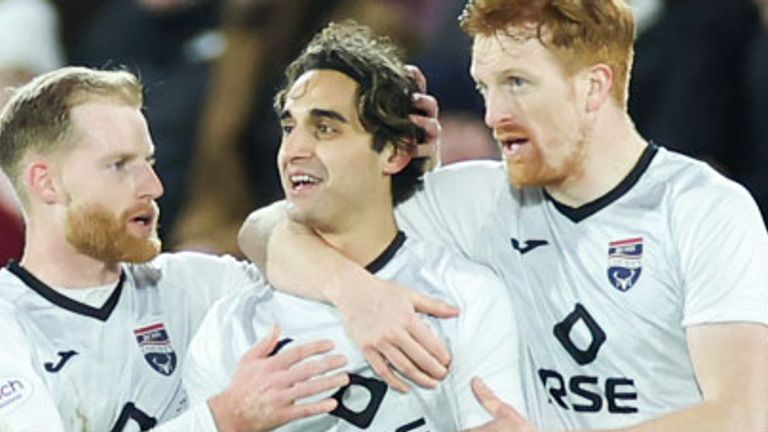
578,144
324,139
108,166
555,130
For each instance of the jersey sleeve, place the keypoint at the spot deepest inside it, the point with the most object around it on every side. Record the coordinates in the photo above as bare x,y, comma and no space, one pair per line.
454,204
723,245
487,344
25,404
203,373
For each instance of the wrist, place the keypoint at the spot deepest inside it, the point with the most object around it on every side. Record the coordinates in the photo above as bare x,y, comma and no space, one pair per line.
223,413
345,281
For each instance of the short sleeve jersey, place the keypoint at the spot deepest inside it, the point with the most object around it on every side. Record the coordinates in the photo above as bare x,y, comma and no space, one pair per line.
607,290
482,339
69,366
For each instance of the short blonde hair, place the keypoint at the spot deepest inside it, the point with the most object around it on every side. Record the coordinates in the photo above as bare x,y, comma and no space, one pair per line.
37,117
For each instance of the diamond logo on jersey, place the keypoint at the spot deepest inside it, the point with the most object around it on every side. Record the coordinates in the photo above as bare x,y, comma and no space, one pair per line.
625,262
156,347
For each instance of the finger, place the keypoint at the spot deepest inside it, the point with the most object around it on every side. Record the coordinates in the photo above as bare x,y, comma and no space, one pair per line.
432,306
434,349
415,72
382,369
265,347
316,386
298,411
406,367
311,369
427,104
495,406
290,357
430,126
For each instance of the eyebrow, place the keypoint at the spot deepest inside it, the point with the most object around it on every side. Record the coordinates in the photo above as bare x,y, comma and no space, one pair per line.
318,113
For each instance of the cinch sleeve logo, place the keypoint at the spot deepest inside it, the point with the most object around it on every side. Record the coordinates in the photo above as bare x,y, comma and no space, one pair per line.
13,391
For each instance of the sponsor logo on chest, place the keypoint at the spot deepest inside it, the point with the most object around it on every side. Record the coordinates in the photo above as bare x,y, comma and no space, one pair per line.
156,347
13,391
625,262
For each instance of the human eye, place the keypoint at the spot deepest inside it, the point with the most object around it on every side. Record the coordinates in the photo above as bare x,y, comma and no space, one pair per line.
515,82
286,128
119,164
325,130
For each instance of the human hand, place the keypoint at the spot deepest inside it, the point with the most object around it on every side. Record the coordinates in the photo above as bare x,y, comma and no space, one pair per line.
383,320
265,388
427,119
506,418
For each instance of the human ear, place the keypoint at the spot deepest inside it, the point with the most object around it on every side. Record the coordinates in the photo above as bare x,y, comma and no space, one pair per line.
41,182
600,85
398,158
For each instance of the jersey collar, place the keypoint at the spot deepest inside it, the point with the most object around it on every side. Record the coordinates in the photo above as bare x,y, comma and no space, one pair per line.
382,260
63,301
578,214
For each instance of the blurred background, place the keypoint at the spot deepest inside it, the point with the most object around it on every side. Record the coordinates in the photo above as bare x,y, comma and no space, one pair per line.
211,68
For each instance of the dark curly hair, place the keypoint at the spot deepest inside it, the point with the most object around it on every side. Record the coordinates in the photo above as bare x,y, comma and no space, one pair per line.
384,96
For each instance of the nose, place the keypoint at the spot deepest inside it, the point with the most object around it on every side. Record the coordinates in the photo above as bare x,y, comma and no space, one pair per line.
499,109
297,144
151,186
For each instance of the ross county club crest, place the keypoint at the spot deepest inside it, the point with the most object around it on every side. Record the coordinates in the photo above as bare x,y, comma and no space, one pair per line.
625,262
156,347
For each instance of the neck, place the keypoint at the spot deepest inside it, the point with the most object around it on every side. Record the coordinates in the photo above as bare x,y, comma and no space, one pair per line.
610,153
54,261
363,242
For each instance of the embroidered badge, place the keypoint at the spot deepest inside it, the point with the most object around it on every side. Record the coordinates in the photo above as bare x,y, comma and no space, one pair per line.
156,347
625,262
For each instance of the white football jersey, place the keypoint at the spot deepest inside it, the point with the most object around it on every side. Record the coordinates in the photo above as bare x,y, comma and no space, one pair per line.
72,367
482,339
607,290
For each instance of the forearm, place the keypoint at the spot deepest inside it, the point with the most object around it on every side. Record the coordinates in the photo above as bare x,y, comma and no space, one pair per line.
279,247
324,271
256,231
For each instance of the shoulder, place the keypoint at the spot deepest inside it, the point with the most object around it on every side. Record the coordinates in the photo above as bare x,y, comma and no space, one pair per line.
11,288
490,176
462,279
192,260
12,337
200,267
695,190
686,177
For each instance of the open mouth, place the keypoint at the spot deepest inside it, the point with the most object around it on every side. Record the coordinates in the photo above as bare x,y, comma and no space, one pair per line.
145,219
300,181
510,144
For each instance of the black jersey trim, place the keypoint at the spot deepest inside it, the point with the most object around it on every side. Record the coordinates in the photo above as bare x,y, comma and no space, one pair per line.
63,301
382,260
578,214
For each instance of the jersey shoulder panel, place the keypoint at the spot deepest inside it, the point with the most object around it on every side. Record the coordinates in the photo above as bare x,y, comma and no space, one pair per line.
720,242
456,202
203,276
11,288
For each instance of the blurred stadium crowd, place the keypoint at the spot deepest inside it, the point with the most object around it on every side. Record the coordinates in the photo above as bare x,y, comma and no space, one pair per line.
211,68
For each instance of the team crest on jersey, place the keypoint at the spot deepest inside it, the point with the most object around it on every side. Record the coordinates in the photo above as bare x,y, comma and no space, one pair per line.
156,347
625,262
